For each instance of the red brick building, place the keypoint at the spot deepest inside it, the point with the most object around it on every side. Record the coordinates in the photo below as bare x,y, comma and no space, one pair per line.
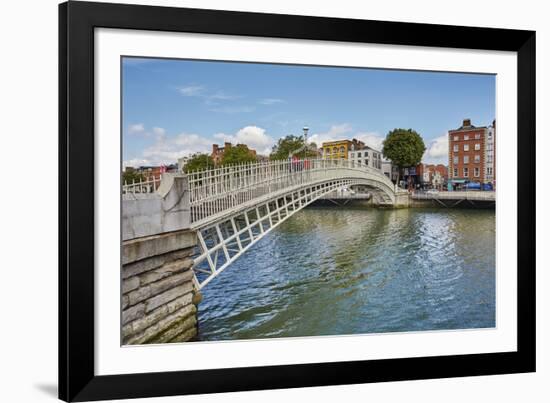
467,152
217,151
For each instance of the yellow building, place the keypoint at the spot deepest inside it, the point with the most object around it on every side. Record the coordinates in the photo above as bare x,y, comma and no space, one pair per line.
338,150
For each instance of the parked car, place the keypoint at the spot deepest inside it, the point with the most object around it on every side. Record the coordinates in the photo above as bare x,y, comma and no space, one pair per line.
473,186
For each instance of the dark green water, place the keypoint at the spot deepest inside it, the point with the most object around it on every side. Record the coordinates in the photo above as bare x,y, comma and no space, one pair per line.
328,271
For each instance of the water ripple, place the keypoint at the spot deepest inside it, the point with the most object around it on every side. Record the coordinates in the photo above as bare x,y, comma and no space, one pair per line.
352,270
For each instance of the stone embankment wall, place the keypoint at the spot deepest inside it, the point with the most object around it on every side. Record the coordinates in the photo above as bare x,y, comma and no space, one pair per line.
159,301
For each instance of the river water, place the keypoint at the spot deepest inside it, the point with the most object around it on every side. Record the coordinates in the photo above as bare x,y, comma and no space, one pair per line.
338,270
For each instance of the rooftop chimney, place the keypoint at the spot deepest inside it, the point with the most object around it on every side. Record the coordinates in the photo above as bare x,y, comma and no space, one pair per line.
227,145
214,148
466,123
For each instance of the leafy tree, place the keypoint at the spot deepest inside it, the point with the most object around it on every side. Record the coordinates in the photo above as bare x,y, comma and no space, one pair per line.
131,176
237,154
404,148
289,145
199,161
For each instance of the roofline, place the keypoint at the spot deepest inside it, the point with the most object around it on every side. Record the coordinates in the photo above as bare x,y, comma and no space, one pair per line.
468,130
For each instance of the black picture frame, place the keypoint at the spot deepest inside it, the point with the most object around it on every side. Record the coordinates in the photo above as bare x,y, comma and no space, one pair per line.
77,21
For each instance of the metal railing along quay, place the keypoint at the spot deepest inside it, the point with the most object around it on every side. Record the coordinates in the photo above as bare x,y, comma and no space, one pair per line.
475,195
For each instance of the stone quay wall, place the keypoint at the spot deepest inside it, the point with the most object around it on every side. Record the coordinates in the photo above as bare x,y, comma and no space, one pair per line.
159,300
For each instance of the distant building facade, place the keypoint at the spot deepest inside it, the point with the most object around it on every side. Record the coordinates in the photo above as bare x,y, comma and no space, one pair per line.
148,171
490,162
367,156
182,162
218,152
390,170
432,176
470,150
339,149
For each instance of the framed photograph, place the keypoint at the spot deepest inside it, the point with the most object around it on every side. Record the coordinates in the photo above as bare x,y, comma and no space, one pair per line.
258,201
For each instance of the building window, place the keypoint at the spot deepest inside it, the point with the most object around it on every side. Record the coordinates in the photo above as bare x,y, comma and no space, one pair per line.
477,136
466,159
455,138
476,172
335,150
466,147
489,170
455,159
455,172
455,148
358,155
477,158
466,137
342,149
477,147
465,171
352,155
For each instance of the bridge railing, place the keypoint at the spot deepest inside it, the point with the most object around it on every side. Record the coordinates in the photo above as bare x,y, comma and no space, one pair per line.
216,190
147,185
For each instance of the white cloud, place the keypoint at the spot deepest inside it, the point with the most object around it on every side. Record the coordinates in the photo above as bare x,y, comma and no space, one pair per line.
271,101
253,136
336,132
191,90
137,128
233,109
209,97
371,139
221,96
136,163
437,151
159,133
169,149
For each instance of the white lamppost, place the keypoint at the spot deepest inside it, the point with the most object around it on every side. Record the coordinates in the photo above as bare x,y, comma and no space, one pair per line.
305,129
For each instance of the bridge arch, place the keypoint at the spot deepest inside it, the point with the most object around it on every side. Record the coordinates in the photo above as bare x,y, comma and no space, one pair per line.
230,220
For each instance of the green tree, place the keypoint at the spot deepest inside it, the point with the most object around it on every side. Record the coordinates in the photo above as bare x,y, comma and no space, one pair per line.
289,145
130,176
198,162
404,148
237,154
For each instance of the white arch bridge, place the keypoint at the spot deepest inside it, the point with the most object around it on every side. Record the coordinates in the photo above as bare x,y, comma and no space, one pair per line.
233,207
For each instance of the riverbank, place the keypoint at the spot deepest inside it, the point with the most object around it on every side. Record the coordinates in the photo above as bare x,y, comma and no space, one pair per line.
413,203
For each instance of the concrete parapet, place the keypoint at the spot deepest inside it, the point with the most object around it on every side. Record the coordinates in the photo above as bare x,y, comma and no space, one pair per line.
166,210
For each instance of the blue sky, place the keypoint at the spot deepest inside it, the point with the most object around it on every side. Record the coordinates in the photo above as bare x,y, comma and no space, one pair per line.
173,108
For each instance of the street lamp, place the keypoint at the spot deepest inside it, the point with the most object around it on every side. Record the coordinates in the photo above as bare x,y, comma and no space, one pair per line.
305,129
